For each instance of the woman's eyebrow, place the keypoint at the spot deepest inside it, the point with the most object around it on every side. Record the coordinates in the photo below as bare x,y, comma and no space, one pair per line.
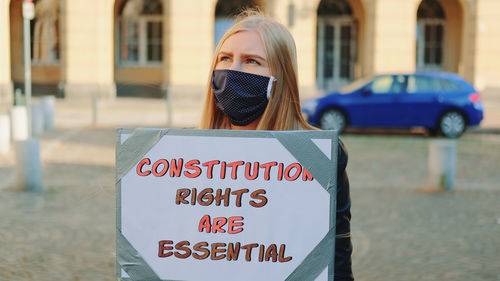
230,54
253,56
225,54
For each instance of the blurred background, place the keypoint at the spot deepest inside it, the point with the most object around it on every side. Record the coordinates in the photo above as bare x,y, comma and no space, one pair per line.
147,48
145,63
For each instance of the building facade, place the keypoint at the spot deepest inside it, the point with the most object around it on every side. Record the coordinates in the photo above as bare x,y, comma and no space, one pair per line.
152,47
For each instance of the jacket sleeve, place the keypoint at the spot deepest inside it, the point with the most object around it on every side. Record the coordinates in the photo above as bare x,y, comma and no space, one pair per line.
343,245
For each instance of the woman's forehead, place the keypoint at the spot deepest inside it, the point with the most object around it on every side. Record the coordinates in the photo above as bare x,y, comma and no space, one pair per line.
244,42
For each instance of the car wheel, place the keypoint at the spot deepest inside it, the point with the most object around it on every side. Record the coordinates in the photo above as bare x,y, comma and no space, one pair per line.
452,124
333,119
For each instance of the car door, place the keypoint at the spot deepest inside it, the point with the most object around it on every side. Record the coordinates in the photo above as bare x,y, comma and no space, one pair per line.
375,103
421,101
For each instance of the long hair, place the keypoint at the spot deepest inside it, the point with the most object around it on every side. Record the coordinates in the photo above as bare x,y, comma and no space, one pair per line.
283,110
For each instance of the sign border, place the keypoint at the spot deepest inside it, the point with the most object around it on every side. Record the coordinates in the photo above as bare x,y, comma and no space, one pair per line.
298,143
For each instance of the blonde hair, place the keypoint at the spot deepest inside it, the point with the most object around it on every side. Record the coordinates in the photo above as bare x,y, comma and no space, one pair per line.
283,110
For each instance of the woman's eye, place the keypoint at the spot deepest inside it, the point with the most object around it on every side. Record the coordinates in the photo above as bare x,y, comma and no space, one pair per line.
227,59
252,61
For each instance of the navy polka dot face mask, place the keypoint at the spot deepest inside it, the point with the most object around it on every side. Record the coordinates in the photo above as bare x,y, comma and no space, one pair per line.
242,96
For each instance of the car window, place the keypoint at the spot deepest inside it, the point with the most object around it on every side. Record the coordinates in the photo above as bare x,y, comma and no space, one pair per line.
381,85
387,84
357,84
423,84
451,86
398,85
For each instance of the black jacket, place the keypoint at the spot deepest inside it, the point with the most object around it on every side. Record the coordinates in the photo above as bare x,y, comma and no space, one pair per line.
343,245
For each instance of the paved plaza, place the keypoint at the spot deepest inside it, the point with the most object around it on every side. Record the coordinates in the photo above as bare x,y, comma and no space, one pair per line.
67,232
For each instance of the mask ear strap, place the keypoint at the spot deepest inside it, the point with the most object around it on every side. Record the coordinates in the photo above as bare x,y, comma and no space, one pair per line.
270,86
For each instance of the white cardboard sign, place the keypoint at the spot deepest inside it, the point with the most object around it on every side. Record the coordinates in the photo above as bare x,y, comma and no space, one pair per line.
228,207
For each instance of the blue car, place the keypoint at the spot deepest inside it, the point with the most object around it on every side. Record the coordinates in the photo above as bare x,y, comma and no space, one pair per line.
438,101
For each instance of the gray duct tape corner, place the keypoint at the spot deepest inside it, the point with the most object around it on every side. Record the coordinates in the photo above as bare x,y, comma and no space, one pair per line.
131,261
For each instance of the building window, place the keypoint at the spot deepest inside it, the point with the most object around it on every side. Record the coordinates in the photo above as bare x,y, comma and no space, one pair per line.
336,44
430,35
44,29
140,33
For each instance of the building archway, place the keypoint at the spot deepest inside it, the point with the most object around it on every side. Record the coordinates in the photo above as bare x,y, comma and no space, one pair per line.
340,29
439,35
139,48
46,38
225,10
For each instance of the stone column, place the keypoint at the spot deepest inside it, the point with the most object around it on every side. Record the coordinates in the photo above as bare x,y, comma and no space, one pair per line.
394,35
487,56
6,87
189,50
89,49
300,18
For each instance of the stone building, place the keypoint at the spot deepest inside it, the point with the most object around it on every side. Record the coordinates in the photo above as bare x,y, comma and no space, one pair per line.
152,47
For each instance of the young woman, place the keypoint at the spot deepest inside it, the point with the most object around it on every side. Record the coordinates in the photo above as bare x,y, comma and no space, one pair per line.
253,86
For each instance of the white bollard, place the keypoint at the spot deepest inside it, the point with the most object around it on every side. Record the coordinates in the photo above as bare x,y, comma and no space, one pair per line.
37,120
442,164
19,123
4,134
28,167
95,109
48,104
19,97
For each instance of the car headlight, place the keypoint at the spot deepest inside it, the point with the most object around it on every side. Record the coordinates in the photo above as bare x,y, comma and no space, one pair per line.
309,106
